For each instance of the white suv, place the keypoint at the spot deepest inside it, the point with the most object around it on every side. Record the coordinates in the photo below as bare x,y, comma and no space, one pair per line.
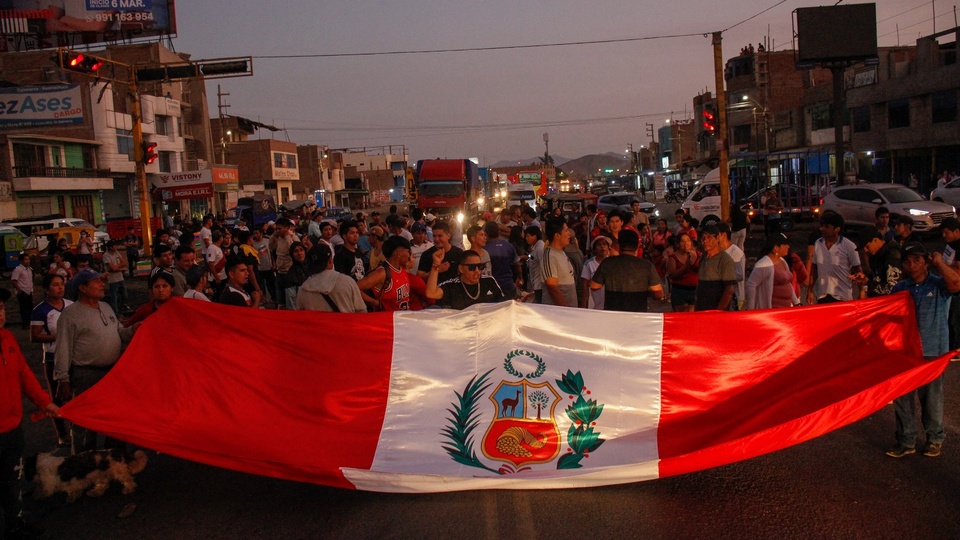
858,205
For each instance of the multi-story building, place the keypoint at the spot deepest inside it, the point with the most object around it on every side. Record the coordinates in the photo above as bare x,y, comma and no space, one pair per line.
904,112
372,175
265,166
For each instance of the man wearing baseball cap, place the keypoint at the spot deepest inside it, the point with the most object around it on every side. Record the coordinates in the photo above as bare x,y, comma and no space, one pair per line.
89,341
931,295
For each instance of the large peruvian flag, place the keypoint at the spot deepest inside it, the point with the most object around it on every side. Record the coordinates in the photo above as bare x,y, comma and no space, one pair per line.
505,396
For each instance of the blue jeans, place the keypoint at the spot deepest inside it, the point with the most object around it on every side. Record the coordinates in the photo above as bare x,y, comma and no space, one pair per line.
118,296
931,414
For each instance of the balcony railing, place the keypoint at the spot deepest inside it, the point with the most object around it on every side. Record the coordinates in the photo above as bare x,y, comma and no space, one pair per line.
59,172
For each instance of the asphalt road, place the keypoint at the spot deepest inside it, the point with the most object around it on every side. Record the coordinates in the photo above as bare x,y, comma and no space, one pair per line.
838,486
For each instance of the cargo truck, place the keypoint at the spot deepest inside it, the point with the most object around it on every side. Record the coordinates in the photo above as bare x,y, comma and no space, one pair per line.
448,188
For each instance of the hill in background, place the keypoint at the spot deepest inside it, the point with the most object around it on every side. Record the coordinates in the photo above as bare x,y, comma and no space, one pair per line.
589,165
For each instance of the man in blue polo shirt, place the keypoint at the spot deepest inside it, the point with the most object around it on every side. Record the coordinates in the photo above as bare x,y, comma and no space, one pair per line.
931,295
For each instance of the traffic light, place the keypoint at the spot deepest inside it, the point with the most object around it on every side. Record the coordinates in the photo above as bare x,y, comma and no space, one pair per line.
79,62
149,152
709,120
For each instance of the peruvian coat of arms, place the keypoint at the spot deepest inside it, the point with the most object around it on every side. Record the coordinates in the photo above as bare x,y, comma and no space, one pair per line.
523,431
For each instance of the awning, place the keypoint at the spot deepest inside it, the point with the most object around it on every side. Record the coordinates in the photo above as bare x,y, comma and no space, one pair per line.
352,192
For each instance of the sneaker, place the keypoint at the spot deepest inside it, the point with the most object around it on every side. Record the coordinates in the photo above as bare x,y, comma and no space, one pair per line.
900,450
933,449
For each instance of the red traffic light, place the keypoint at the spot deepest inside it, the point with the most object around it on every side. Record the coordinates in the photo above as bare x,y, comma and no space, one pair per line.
81,62
709,120
149,152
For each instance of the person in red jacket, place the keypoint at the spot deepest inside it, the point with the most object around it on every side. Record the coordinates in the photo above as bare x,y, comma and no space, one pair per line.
16,379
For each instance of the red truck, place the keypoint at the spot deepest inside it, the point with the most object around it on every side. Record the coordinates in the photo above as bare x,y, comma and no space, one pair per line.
448,188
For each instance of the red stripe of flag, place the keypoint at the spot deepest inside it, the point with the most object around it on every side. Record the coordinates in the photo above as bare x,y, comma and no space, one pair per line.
735,386
233,407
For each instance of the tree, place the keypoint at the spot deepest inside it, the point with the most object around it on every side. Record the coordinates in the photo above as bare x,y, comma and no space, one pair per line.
547,159
539,400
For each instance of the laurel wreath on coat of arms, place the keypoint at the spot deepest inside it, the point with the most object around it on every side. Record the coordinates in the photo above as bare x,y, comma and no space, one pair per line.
583,412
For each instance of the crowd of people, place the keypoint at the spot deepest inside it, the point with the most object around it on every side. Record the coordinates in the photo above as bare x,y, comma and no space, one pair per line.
615,261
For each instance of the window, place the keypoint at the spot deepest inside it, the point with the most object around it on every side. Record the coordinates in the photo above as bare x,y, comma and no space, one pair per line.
741,134
821,117
165,159
125,143
29,155
898,113
284,161
943,106
861,119
162,124
857,195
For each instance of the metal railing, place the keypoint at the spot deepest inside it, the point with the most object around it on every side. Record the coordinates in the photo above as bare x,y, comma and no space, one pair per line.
59,172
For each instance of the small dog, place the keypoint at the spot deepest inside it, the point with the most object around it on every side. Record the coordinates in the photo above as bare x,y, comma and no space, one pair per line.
89,472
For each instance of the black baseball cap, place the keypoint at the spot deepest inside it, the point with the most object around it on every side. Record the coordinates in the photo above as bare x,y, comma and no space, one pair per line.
914,248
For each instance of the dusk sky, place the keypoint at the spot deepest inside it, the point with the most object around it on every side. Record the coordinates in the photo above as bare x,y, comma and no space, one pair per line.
492,105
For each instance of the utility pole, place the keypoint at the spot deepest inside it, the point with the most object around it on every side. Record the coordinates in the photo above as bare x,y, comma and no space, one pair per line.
221,106
722,131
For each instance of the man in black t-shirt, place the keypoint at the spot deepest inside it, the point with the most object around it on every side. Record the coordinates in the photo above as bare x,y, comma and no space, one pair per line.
627,281
451,255
465,290
349,258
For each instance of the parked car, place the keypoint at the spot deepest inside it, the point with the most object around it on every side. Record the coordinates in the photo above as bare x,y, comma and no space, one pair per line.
798,202
858,205
570,204
949,194
339,213
13,241
623,200
39,243
33,224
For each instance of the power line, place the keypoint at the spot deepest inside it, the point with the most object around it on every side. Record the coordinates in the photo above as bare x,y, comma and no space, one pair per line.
902,13
754,16
475,128
476,49
511,47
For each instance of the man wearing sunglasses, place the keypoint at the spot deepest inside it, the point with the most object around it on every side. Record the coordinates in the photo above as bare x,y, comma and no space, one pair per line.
467,289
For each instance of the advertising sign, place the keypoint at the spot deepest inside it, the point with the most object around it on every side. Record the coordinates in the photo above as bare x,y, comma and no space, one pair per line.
23,26
40,106
181,193
183,185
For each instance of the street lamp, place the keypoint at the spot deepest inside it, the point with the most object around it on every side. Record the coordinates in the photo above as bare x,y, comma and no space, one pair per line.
756,108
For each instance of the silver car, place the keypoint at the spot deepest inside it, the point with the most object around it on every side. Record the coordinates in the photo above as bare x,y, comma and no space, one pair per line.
622,200
858,205
949,193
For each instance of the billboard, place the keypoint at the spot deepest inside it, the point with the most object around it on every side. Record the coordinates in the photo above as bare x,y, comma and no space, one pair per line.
183,185
25,25
837,33
55,105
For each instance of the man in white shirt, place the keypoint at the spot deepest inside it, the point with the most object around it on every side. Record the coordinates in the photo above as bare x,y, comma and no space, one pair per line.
22,278
835,259
206,235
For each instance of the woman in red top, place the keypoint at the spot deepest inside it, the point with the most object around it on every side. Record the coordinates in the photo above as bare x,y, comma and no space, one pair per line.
161,290
687,226
682,267
660,236
601,226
